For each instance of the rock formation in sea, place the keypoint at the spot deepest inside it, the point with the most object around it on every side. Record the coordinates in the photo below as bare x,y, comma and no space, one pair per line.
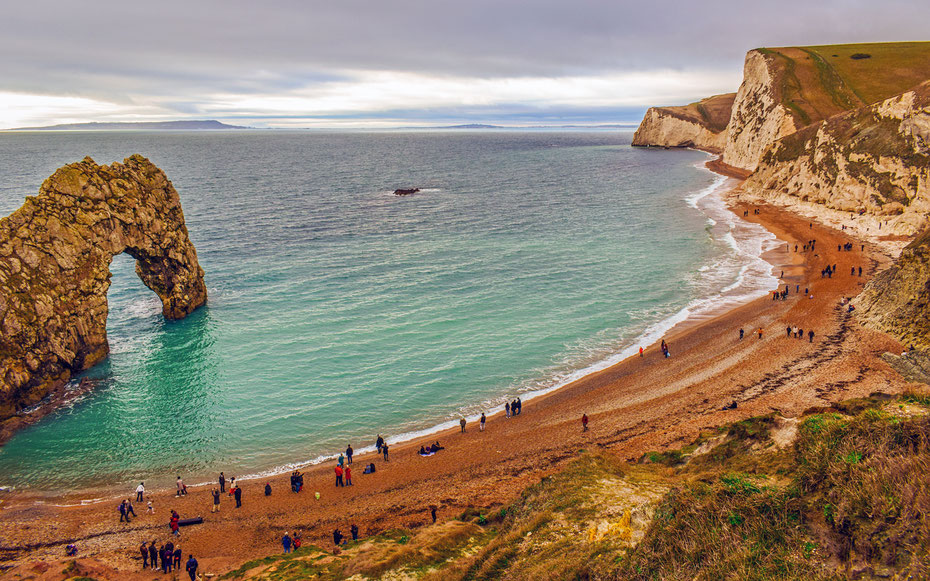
55,254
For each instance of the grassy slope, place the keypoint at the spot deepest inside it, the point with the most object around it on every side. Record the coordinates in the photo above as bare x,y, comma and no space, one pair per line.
846,499
712,112
821,81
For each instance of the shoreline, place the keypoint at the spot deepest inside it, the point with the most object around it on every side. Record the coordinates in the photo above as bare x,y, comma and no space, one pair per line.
636,405
697,310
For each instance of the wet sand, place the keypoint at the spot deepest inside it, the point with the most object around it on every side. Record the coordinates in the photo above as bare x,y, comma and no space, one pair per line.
638,405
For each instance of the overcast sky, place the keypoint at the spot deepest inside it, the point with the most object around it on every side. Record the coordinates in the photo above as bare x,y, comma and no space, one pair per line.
303,63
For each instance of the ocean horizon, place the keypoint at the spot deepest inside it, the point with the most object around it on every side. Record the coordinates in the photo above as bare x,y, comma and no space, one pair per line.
338,311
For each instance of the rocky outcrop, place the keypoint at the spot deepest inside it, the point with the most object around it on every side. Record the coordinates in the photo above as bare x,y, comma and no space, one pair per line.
897,300
406,191
758,117
55,253
701,125
868,168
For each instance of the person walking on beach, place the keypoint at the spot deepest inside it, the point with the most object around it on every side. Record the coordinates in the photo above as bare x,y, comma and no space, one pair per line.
175,526
384,450
129,508
481,424
286,541
192,567
810,336
145,556
584,422
349,452
123,514
216,500
267,489
380,443
348,474
640,351
151,509
740,334
139,490
760,332
238,497
177,558
462,424
507,409
222,483
153,555
182,488
339,475
519,406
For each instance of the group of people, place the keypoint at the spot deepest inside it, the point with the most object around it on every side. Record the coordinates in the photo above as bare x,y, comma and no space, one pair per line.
382,447
291,543
340,539
297,480
665,350
809,245
513,408
170,557
798,333
431,449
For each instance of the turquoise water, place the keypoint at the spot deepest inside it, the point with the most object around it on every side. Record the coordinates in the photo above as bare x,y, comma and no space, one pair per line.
338,310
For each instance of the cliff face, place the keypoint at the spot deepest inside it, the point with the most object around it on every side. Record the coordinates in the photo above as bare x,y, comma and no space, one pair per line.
897,300
701,125
55,253
871,164
758,116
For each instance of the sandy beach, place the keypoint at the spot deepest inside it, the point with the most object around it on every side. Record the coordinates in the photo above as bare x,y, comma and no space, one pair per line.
638,405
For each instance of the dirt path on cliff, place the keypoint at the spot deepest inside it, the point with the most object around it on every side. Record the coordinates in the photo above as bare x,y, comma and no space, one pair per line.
638,405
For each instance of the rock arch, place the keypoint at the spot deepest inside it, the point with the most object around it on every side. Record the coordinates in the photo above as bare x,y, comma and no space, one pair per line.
55,255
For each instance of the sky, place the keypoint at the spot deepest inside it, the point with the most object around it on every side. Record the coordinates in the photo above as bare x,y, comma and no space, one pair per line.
389,63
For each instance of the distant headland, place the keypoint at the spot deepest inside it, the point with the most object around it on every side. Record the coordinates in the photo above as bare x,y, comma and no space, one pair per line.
204,125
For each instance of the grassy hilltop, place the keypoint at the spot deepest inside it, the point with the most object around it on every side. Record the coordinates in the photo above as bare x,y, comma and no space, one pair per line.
821,81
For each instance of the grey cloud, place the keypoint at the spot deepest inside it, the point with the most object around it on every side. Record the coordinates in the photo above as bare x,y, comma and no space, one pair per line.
179,49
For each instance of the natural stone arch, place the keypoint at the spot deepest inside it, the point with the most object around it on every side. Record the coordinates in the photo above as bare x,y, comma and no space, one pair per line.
55,255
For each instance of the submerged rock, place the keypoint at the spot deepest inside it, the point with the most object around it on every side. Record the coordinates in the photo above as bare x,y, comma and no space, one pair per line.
55,254
406,192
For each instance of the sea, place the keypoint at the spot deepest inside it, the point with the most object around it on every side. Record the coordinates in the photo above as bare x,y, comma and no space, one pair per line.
338,311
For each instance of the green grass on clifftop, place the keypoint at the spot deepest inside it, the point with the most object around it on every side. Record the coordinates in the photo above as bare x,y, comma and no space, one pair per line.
821,81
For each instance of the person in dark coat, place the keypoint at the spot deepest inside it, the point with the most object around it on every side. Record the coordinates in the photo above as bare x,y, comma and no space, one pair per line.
337,537
153,555
145,556
192,567
222,483
238,497
354,531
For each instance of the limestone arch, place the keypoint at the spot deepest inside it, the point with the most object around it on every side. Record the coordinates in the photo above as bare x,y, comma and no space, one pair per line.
55,256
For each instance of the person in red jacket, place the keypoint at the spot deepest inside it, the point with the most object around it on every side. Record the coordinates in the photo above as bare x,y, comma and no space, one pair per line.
584,422
348,473
339,475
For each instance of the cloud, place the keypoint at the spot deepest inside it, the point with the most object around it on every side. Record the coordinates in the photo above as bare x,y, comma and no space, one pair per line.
183,56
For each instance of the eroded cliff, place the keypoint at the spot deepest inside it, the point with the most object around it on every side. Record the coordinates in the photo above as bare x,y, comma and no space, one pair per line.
701,125
55,253
758,117
868,169
897,300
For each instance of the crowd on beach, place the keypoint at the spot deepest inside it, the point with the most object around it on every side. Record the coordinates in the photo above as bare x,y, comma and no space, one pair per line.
168,556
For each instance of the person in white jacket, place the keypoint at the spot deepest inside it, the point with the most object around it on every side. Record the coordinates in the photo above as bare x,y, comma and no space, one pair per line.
139,490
